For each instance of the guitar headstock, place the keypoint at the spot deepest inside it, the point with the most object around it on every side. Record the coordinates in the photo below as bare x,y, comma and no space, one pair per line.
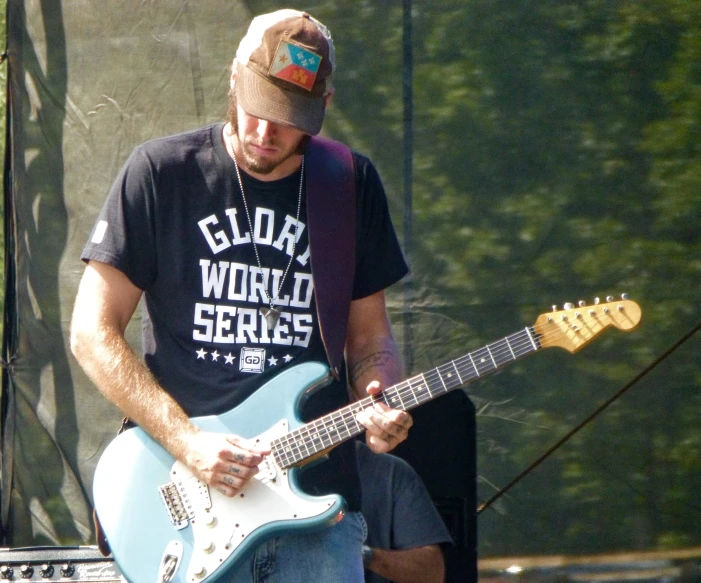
574,327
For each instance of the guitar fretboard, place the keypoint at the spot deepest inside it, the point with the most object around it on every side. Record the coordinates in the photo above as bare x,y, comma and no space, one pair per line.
330,430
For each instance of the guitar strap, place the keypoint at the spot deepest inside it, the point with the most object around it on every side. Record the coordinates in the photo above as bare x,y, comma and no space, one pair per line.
331,218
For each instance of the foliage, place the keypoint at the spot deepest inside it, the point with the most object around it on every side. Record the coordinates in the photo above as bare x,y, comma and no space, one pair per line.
556,156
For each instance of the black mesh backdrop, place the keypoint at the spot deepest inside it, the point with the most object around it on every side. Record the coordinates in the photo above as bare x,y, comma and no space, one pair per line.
554,160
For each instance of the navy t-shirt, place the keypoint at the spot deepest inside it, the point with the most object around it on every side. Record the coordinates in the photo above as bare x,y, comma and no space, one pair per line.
176,225
397,507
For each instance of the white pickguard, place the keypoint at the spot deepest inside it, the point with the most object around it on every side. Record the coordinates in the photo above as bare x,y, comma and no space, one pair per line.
219,528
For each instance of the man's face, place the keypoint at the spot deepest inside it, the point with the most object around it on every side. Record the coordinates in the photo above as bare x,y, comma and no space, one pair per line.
264,146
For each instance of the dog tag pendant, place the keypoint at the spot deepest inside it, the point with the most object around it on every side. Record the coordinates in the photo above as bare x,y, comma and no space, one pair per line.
271,315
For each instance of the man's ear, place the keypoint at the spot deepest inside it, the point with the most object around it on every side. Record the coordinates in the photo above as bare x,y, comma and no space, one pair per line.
234,74
328,97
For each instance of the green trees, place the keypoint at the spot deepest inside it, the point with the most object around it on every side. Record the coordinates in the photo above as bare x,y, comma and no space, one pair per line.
556,159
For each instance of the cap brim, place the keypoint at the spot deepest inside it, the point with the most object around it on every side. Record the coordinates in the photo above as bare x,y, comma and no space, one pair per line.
260,98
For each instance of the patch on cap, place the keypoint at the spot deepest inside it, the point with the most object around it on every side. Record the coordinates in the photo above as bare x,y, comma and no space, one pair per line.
295,64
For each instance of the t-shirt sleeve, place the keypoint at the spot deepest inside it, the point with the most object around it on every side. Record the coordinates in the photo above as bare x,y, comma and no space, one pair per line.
123,235
416,521
379,262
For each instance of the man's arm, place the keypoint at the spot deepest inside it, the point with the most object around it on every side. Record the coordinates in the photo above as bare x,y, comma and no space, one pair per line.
419,565
104,305
374,364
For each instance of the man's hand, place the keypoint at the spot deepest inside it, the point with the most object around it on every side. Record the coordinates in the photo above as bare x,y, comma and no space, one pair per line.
225,462
386,427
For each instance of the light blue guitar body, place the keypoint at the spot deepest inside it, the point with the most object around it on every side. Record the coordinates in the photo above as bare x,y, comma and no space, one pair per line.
162,524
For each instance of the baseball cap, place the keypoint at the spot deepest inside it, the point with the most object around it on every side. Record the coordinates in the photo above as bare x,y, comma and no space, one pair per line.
284,68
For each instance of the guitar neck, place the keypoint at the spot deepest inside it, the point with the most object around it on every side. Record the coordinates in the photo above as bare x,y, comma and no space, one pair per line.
330,430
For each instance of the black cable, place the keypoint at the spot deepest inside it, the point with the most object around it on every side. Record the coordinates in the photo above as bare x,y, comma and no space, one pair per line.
589,418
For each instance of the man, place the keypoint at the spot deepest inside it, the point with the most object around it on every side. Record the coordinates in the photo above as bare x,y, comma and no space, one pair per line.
210,228
405,531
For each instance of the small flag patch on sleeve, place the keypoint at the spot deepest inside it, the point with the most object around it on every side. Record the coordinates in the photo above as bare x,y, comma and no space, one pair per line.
99,234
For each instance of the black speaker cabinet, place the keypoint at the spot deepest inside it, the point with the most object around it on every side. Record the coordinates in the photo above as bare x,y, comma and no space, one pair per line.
441,447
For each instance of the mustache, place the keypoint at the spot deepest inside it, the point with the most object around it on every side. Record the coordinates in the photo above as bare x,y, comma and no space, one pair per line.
261,143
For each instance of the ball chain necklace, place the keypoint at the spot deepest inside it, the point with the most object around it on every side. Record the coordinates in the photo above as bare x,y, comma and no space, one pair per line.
270,313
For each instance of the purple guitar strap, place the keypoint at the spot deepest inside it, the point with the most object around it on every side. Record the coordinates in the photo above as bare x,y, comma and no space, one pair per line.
331,222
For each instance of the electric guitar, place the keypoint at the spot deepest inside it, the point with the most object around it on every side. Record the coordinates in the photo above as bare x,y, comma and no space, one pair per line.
164,525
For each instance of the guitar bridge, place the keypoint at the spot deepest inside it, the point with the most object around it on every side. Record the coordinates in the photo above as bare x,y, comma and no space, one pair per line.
178,513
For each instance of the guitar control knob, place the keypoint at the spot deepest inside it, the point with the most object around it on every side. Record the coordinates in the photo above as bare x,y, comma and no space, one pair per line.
46,570
201,573
6,572
26,571
67,570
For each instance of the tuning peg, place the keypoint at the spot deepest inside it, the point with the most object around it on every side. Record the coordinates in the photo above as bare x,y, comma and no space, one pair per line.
554,308
581,303
597,301
624,296
609,298
569,306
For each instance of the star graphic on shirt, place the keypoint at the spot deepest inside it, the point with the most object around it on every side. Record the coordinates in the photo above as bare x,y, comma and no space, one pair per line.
287,358
272,361
201,353
229,358
215,355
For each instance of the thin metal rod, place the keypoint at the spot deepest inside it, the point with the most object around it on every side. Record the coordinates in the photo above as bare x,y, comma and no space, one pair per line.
408,128
590,417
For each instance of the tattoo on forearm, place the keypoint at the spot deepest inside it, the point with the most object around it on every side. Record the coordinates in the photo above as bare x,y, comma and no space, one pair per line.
374,360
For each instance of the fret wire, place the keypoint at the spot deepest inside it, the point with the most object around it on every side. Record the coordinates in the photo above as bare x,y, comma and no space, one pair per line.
494,362
446,372
499,353
457,372
529,331
472,360
508,344
417,387
391,395
440,376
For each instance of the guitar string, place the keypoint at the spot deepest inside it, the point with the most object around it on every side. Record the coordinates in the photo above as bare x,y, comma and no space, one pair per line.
316,433
317,437
324,432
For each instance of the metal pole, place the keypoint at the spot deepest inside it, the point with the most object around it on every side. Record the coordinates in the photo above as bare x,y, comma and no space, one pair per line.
408,106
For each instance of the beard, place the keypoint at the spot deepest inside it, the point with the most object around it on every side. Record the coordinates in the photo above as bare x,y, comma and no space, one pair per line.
250,162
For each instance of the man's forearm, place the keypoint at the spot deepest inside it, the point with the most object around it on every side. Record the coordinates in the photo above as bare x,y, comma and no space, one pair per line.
377,361
124,379
420,565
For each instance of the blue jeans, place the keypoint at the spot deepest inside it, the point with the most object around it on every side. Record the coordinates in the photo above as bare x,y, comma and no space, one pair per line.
332,555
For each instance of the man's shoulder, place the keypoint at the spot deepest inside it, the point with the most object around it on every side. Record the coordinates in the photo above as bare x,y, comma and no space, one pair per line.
176,147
